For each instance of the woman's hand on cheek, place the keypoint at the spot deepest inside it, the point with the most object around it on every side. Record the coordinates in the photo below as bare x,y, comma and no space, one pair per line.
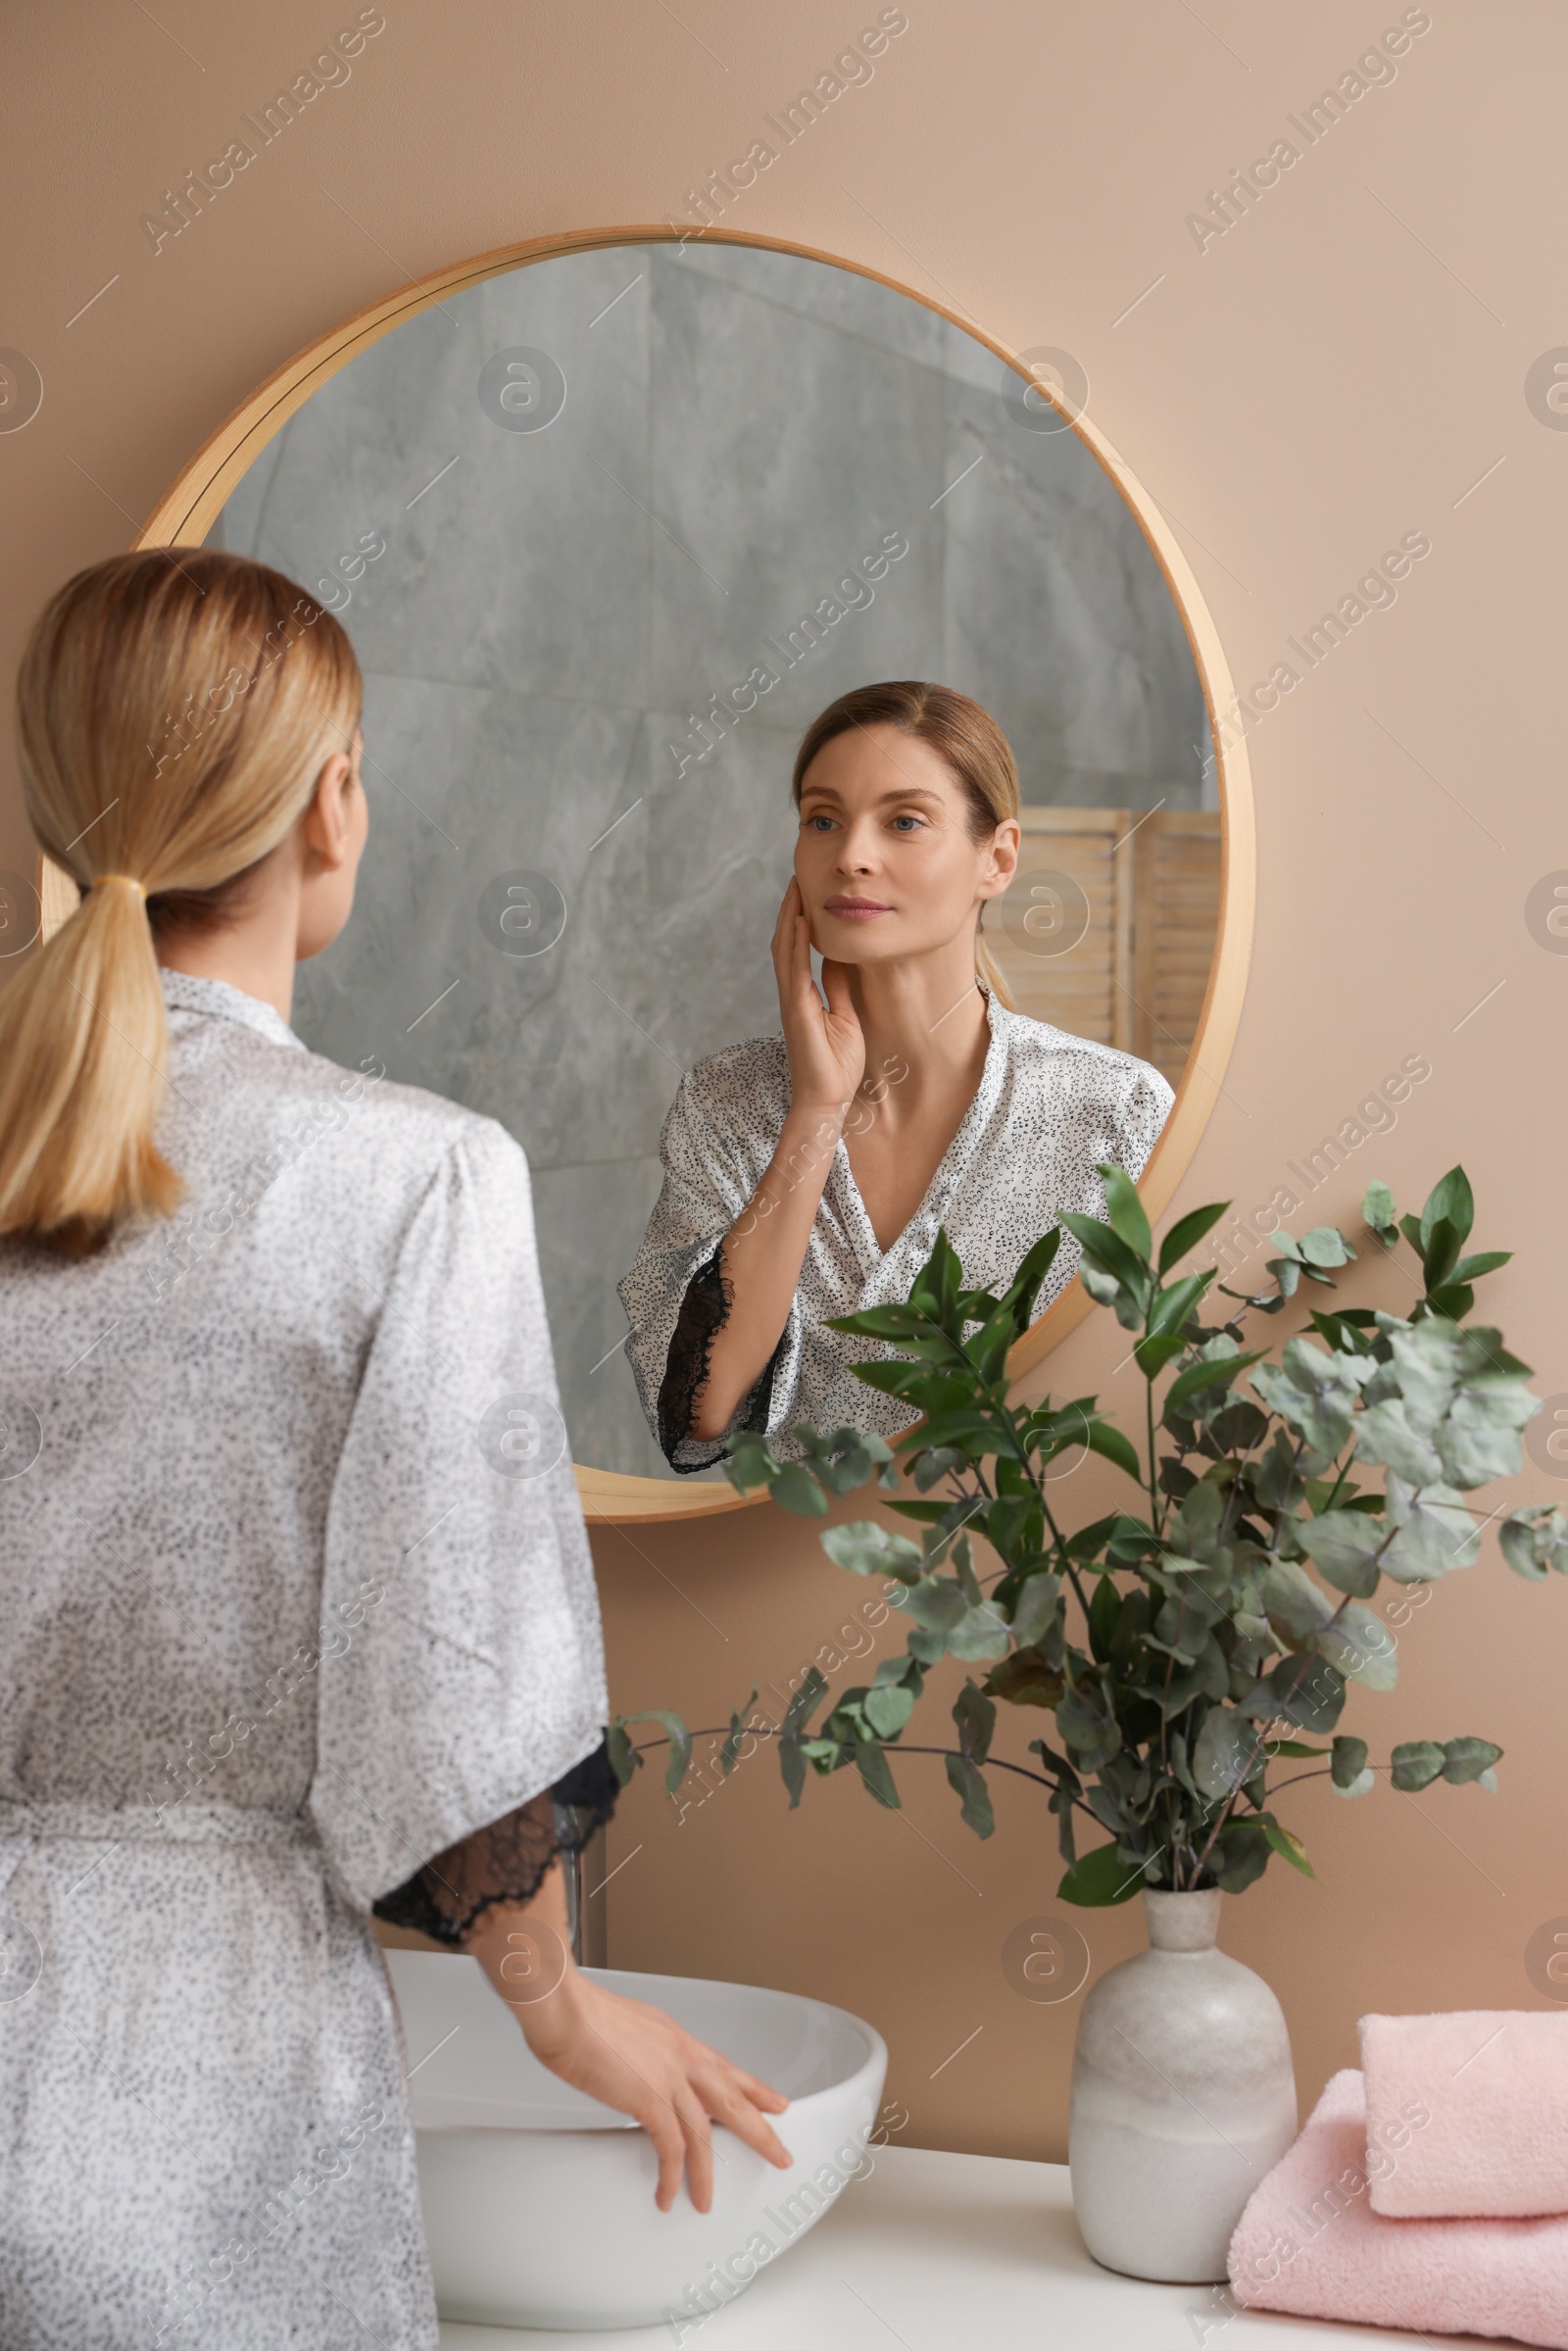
825,1044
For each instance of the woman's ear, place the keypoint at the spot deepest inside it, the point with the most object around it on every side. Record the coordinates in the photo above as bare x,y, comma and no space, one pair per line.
328,822
1002,862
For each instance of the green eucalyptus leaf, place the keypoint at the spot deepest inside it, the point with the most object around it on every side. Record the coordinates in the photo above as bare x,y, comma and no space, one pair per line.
1434,1533
873,1768
621,1754
1224,1753
1479,1439
1100,1878
1348,1761
1342,1545
1296,1608
1383,1433
729,1754
1176,1741
968,1783
1240,1855
935,1462
866,1547
1305,1690
680,1750
1417,1762
1535,1541
796,1489
1091,1734
976,1719
888,1709
1377,1208
1197,1520
1314,1391
791,1769
1360,1645
1206,1678
935,1602
803,1702
1466,1759
1324,1246
981,1632
1036,1605
750,1462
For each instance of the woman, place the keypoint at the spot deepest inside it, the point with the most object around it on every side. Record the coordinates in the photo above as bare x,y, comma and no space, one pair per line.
297,1617
807,1175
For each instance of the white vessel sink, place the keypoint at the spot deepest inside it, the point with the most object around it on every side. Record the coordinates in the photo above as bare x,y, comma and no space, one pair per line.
539,2202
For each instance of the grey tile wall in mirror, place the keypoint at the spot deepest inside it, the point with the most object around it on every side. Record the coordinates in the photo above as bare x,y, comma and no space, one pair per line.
545,614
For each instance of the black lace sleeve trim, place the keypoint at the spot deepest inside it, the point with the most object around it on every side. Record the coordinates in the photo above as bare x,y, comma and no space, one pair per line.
506,1861
704,1312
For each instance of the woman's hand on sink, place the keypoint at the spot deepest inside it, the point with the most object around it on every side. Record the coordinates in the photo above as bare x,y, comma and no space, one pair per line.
623,2052
634,2057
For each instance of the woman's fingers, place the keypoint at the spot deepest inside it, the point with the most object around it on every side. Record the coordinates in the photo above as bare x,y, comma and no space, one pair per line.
663,2126
836,980
739,2115
692,2113
637,2058
760,2093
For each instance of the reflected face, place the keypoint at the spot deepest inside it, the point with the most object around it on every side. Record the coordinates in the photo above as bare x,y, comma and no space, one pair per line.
885,858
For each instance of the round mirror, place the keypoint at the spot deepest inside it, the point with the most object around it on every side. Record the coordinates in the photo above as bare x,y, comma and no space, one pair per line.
609,529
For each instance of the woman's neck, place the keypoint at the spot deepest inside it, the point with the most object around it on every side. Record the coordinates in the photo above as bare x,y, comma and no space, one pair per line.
256,952
925,1022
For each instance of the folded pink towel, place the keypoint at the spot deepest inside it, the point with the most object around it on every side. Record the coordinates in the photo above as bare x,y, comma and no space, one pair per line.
1310,2243
1494,2083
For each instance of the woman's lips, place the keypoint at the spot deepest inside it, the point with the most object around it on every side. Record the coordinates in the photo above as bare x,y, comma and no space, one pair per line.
855,909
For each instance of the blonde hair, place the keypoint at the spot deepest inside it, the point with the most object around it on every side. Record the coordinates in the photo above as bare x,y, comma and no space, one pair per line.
960,731
174,714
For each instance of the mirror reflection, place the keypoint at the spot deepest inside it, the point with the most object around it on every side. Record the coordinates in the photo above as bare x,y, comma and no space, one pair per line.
793,811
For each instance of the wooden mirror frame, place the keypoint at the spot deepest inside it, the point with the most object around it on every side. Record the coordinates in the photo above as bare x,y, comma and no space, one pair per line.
188,508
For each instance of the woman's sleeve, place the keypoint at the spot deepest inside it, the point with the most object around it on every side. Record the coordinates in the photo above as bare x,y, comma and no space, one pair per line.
676,1296
1144,1113
462,1667
449,1896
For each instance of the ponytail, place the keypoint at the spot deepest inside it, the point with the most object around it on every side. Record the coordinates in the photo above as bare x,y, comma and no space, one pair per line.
174,715
988,972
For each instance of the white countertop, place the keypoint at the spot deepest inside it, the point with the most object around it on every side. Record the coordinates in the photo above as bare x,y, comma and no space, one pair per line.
957,2253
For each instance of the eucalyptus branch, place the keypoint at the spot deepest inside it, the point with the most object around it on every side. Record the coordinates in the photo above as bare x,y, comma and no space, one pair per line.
888,1746
1235,1512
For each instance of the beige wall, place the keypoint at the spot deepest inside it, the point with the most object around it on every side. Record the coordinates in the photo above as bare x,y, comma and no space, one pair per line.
1338,370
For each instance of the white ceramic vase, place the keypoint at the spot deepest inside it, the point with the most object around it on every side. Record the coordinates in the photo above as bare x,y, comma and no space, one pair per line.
1182,2099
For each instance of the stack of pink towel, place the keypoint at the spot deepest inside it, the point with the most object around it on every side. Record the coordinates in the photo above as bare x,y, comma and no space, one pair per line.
1428,2191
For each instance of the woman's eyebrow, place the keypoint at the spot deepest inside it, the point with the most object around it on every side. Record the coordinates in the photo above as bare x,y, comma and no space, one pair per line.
884,800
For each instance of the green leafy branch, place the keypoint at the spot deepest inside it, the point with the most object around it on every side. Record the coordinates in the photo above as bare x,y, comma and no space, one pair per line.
1184,1643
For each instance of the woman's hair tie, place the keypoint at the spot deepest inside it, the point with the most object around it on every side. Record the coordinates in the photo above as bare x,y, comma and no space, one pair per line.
101,881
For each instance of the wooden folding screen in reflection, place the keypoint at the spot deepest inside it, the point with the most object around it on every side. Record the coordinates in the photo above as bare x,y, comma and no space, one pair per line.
1109,928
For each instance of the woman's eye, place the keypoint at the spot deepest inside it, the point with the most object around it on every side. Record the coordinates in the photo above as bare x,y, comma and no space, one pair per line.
911,823
820,824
